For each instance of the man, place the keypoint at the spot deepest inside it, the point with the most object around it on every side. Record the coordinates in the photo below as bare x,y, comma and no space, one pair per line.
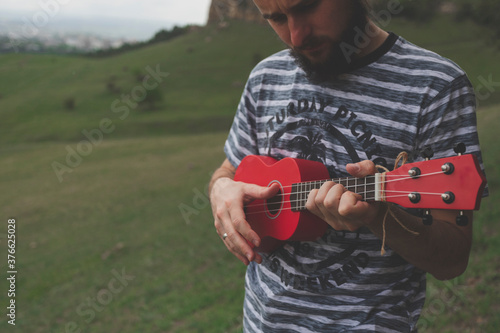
350,95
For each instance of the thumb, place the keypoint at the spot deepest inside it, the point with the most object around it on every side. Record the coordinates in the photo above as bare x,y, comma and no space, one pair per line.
261,192
361,169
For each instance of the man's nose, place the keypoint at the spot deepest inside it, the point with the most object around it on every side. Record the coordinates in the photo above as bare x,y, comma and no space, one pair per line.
299,30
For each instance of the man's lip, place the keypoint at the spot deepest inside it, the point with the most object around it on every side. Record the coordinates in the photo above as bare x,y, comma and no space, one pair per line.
312,48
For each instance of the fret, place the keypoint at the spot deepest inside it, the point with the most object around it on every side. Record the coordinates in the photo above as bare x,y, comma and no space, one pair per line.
298,198
307,188
364,192
301,196
351,183
359,187
294,200
370,188
342,181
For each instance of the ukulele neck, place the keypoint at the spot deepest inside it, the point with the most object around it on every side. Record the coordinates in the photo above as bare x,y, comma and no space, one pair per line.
369,188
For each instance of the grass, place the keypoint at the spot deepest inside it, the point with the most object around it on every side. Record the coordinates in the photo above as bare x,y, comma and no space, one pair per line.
464,43
135,204
120,210
470,303
206,71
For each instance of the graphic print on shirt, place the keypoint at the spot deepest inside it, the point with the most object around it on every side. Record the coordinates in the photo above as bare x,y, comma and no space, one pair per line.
309,147
310,132
329,271
304,128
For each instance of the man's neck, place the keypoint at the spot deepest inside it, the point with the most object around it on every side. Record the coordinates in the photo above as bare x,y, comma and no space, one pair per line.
376,36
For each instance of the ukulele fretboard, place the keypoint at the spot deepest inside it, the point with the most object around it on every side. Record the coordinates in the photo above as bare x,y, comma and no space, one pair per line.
366,187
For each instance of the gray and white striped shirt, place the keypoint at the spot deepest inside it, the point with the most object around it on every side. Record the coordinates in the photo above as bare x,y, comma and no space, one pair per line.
399,98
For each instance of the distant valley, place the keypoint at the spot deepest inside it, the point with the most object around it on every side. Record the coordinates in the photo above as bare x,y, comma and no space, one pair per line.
23,32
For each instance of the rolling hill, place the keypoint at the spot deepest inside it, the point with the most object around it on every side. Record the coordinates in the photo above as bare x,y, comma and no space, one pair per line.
55,98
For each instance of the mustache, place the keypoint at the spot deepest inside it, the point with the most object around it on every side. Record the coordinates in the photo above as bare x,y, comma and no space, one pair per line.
311,42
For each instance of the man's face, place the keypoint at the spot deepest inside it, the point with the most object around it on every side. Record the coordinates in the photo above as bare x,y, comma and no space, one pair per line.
314,30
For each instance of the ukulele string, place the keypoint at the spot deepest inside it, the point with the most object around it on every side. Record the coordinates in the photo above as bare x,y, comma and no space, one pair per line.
302,207
349,187
305,193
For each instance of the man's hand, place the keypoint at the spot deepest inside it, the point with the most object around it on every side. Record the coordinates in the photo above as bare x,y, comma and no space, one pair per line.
228,199
342,209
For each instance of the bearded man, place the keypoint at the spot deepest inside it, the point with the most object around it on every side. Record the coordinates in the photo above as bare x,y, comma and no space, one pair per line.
350,95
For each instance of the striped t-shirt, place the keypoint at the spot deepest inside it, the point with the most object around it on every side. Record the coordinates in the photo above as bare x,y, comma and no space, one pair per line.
399,98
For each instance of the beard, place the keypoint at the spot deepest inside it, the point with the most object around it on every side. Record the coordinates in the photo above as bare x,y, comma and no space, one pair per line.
336,61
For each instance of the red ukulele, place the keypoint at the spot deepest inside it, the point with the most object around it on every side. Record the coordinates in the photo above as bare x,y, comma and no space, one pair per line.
454,183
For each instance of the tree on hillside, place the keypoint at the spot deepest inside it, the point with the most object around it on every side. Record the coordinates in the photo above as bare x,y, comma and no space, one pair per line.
164,35
420,11
161,36
69,104
152,97
483,12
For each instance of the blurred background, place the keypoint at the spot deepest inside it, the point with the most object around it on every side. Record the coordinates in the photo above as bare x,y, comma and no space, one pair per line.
113,116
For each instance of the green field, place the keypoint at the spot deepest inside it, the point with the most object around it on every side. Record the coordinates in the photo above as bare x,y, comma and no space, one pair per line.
120,238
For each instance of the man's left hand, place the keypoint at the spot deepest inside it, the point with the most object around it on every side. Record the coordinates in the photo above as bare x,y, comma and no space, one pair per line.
343,209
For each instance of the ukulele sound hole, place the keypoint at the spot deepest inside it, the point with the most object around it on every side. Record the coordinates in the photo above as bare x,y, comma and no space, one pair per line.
274,204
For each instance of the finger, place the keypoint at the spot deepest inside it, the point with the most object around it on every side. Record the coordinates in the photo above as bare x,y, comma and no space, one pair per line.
323,193
350,204
252,192
240,225
332,199
311,202
324,202
356,212
361,169
331,205
241,237
224,225
234,250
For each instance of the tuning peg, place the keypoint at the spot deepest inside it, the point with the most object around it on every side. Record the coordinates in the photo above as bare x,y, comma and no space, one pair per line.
460,148
427,218
427,153
462,220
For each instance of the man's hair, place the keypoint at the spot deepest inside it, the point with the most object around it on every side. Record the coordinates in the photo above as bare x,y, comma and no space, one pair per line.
365,5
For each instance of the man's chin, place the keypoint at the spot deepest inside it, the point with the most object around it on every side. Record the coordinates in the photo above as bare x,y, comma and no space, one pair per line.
321,69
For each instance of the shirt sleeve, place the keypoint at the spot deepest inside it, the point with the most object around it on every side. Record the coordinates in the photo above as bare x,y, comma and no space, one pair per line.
242,139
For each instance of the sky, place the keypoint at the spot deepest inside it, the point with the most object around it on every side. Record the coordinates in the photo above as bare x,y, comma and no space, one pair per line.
144,15
191,11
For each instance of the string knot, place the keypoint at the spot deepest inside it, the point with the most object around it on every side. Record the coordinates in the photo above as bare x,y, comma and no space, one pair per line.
402,158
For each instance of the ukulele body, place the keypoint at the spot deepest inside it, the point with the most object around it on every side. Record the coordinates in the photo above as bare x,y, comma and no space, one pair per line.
273,220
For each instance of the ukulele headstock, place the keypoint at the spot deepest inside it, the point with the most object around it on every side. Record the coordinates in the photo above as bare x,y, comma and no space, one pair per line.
452,183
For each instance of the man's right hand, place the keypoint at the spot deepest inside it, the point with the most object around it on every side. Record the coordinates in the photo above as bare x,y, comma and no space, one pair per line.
228,199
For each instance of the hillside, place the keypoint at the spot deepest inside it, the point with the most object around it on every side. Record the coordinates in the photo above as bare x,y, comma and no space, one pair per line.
55,98
223,10
206,72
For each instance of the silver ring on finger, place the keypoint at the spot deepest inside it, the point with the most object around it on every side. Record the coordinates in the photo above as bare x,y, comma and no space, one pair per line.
224,236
